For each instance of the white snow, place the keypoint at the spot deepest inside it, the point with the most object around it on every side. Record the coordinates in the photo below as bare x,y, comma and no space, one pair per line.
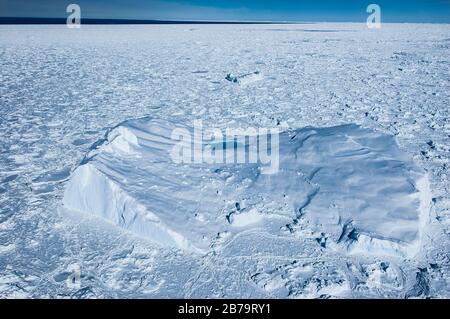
247,218
351,184
384,180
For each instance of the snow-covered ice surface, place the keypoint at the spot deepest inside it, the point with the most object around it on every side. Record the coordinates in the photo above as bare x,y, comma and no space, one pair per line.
360,207
345,183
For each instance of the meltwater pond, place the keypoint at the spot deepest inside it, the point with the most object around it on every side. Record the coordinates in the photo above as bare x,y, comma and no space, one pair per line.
348,186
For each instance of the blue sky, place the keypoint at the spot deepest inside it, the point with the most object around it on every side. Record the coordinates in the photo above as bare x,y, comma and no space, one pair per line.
236,10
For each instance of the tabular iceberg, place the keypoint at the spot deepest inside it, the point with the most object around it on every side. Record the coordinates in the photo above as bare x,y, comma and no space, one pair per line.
350,187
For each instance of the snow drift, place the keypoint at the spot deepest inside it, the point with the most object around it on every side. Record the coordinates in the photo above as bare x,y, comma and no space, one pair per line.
348,187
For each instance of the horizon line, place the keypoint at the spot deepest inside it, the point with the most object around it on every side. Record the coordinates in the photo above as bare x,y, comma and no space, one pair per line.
106,21
43,20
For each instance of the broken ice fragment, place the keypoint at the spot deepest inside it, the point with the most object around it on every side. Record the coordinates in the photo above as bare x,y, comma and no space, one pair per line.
244,78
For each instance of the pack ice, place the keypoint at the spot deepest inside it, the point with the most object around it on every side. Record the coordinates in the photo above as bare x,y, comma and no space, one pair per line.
350,188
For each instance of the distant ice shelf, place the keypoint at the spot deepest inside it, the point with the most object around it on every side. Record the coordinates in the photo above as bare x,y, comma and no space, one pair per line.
349,187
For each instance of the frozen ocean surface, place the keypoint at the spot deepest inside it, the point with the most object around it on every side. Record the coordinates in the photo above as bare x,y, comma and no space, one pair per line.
369,218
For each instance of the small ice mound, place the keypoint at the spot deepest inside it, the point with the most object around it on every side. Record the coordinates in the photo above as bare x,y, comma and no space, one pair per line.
349,186
245,79
304,281
121,140
246,218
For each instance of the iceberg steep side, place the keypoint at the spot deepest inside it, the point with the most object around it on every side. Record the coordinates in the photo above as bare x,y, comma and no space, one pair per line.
91,192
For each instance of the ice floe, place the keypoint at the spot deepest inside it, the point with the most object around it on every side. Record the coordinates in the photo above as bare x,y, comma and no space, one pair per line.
349,186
